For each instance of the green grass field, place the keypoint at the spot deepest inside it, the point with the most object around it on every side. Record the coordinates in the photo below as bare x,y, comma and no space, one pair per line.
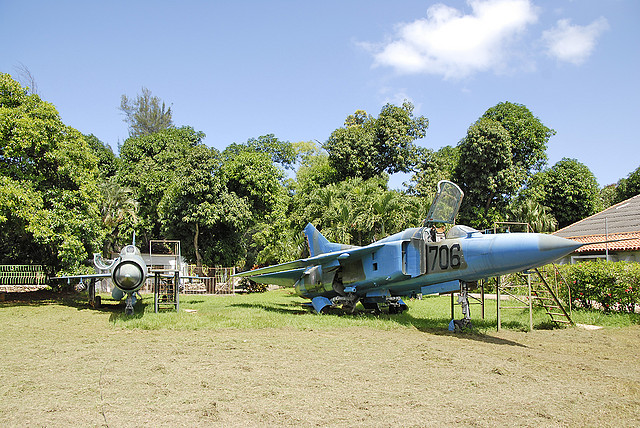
281,308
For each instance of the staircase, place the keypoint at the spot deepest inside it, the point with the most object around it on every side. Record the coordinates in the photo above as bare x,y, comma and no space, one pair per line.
550,302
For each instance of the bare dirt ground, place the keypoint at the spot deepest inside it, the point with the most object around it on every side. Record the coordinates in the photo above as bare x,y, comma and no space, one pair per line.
64,366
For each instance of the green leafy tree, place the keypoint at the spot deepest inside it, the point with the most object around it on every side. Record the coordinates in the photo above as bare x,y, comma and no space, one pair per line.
119,211
535,215
357,211
499,154
281,152
48,195
628,187
146,114
570,190
108,163
199,210
20,207
253,176
528,136
151,165
314,172
433,167
608,195
366,147
306,150
486,173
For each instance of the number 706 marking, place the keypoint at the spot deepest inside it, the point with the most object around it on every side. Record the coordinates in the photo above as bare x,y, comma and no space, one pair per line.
444,257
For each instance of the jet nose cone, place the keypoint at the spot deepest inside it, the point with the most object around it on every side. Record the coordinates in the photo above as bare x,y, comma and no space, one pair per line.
128,276
514,252
554,247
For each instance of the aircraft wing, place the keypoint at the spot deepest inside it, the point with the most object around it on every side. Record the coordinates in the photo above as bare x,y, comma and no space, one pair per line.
285,278
169,275
89,276
288,273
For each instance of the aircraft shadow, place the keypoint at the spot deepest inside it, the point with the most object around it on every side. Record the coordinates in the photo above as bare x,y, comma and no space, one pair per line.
44,298
428,325
289,309
72,299
433,325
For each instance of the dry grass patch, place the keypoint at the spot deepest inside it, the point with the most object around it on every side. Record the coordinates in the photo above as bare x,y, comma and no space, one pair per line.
63,364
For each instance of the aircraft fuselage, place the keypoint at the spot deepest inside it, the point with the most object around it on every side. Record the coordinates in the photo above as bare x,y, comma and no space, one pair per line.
408,264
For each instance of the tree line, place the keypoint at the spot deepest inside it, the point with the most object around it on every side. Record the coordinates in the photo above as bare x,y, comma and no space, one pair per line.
64,195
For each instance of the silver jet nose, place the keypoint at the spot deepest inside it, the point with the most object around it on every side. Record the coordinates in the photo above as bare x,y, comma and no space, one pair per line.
128,276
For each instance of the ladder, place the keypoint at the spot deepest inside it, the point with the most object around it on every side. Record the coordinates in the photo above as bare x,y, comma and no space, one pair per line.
166,290
550,302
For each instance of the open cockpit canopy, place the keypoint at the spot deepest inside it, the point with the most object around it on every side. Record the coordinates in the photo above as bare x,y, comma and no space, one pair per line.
446,203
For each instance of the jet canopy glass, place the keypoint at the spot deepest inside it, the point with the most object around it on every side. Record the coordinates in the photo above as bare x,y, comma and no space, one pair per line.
446,204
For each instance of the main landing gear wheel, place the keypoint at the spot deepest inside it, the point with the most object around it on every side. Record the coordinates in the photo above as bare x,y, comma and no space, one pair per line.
397,308
371,307
128,310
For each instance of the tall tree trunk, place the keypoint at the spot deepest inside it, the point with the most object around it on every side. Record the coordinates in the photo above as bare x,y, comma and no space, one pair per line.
195,246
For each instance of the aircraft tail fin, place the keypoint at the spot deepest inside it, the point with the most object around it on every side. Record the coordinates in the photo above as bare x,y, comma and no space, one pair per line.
318,244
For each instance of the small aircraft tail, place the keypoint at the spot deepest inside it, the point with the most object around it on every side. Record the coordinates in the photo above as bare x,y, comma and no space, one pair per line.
318,244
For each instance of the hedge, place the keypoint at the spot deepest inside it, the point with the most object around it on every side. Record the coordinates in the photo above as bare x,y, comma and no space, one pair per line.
610,286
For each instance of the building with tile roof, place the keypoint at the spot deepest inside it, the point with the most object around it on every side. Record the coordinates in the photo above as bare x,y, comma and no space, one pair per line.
620,222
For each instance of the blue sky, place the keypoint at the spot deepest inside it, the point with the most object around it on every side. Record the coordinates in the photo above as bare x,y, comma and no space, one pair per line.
297,69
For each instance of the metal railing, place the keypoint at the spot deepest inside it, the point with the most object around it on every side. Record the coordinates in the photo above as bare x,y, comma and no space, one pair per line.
21,277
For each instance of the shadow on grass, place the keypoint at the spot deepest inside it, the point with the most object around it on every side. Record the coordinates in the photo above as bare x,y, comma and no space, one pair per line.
434,325
286,309
37,298
73,299
431,325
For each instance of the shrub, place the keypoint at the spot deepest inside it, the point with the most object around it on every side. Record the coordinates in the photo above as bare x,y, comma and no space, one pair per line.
251,286
607,285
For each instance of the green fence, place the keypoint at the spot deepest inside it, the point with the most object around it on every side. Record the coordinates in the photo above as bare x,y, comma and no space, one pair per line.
19,277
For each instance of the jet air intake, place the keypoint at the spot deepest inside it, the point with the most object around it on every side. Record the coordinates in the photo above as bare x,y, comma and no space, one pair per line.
130,273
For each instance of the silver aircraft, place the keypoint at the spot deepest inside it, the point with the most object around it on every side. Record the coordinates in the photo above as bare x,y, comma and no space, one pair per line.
128,273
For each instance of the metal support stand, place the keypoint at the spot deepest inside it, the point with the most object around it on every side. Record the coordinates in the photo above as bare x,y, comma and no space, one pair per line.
515,299
463,301
530,303
166,291
452,306
498,302
538,290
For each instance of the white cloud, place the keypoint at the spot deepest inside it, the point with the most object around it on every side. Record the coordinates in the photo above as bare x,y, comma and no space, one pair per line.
454,45
396,97
573,43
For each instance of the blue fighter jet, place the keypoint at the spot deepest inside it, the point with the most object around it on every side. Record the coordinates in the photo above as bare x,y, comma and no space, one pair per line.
415,261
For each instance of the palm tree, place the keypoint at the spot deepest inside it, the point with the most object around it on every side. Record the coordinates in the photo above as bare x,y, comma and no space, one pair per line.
536,215
118,211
